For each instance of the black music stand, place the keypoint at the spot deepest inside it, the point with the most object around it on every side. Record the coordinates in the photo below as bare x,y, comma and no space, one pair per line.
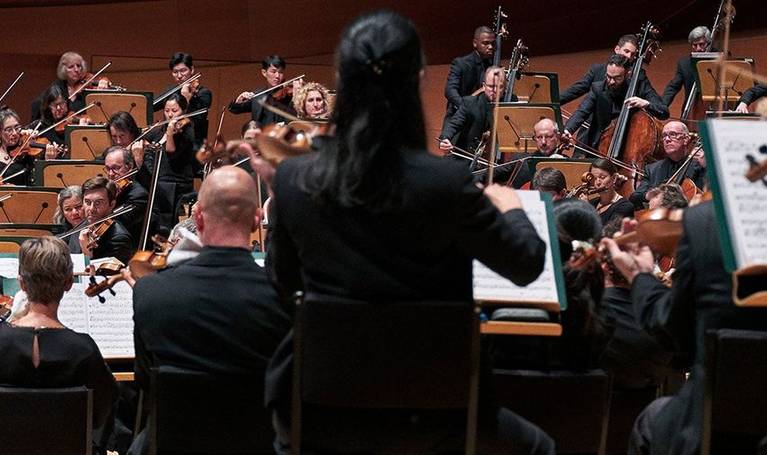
107,102
516,121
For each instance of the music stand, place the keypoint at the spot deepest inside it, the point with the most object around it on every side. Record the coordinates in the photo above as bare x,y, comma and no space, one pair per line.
572,169
537,87
516,121
29,204
106,103
63,173
734,83
86,142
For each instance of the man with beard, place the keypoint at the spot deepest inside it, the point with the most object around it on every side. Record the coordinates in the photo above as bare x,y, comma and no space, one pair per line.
466,73
607,97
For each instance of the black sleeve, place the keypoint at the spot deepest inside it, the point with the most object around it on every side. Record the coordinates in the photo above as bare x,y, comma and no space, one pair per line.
205,97
454,83
282,263
754,93
674,86
624,209
578,88
638,196
139,200
101,381
583,112
657,107
456,124
120,246
239,108
142,359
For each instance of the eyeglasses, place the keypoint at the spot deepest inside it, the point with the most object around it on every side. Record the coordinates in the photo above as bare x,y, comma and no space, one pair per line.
11,129
673,135
96,204
115,169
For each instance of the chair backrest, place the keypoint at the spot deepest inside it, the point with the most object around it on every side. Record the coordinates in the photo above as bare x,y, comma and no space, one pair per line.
573,408
196,412
735,375
46,421
359,354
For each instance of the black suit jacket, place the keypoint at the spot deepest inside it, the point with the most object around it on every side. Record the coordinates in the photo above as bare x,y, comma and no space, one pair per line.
700,299
684,77
659,172
464,77
422,249
263,116
466,126
605,108
216,313
116,242
753,94
137,196
595,73
202,99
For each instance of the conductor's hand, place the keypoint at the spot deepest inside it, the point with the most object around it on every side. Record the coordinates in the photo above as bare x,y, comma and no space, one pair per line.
742,108
503,197
636,102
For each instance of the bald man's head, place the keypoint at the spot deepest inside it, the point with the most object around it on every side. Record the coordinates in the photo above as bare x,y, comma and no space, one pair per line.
228,199
546,135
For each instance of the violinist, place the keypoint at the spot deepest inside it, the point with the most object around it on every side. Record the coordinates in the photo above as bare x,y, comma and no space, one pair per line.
176,171
181,67
54,108
676,145
119,162
667,195
123,130
467,126
99,198
749,96
273,72
69,207
699,39
552,181
466,73
610,204
311,102
71,72
607,97
10,139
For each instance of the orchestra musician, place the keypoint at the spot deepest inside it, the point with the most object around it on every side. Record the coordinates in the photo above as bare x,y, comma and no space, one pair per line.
69,207
468,125
181,67
118,162
467,73
676,145
54,108
273,72
237,322
311,102
10,139
749,96
38,351
376,175
123,131
550,180
666,195
699,39
610,204
99,197
607,97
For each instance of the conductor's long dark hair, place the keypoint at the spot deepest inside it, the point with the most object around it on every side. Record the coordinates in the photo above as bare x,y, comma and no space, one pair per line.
378,115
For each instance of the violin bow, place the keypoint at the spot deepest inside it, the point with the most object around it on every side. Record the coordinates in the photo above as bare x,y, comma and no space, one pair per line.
491,160
88,81
81,227
280,112
175,89
209,166
276,87
725,51
165,122
24,144
68,117
11,86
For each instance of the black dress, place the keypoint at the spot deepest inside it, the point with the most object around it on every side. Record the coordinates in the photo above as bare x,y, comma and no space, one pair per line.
621,208
67,359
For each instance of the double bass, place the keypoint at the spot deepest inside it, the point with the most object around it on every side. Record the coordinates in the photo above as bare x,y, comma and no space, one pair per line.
635,136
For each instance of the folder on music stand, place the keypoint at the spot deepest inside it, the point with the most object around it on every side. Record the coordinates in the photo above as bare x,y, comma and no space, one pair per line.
537,87
516,121
86,142
106,103
732,83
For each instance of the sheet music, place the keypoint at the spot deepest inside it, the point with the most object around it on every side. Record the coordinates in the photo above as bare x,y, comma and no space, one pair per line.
745,202
489,286
9,268
110,324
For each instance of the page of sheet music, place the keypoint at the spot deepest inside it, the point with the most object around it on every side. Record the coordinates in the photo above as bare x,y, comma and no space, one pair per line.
110,324
489,286
9,267
745,202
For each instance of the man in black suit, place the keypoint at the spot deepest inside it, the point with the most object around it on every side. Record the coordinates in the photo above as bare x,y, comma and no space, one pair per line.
676,145
699,39
118,161
273,71
699,299
607,97
216,313
751,95
99,199
467,73
467,127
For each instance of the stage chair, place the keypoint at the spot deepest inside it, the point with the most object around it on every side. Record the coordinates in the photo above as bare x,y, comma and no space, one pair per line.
63,173
734,402
573,408
356,356
199,413
46,421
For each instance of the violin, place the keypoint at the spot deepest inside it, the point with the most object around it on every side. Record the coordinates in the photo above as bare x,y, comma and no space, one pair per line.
93,81
96,232
6,305
279,141
73,119
34,146
180,125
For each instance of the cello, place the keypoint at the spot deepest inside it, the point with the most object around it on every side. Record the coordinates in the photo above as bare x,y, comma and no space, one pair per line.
500,33
635,136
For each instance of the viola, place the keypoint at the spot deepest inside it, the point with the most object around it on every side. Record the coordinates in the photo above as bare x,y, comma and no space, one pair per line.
279,141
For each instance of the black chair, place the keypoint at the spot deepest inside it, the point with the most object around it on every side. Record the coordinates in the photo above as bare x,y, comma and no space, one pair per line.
573,408
198,413
735,401
390,356
46,421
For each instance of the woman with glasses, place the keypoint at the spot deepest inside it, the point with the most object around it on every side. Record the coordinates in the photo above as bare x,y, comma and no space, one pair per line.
14,171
